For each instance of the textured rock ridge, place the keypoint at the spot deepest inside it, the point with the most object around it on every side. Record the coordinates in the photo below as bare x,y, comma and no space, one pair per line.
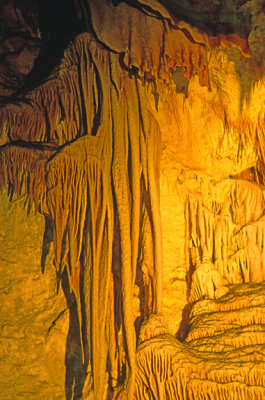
222,356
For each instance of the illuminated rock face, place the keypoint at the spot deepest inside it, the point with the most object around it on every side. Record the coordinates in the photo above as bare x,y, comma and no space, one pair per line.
142,155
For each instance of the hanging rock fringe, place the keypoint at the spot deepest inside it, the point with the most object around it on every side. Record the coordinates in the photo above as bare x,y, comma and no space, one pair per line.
162,43
57,110
25,169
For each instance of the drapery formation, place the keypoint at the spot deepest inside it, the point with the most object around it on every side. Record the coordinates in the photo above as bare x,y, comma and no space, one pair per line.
226,238
114,158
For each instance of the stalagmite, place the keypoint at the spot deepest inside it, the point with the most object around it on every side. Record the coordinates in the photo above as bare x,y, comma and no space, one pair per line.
207,281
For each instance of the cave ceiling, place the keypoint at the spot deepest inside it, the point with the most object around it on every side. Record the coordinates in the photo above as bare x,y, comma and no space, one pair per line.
27,26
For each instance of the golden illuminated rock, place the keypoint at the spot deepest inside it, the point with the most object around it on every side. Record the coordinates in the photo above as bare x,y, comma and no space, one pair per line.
141,153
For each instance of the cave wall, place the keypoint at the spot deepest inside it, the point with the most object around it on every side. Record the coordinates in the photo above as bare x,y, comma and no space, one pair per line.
34,319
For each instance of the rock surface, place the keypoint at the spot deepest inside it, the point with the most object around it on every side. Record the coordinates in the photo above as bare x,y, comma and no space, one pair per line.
34,319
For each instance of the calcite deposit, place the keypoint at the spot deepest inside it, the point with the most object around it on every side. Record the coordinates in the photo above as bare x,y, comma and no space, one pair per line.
132,200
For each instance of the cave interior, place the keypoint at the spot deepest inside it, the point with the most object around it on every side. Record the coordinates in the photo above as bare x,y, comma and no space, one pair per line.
132,204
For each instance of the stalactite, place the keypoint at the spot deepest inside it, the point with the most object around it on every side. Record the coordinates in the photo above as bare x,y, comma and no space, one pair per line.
113,356
147,260
152,137
134,167
122,195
